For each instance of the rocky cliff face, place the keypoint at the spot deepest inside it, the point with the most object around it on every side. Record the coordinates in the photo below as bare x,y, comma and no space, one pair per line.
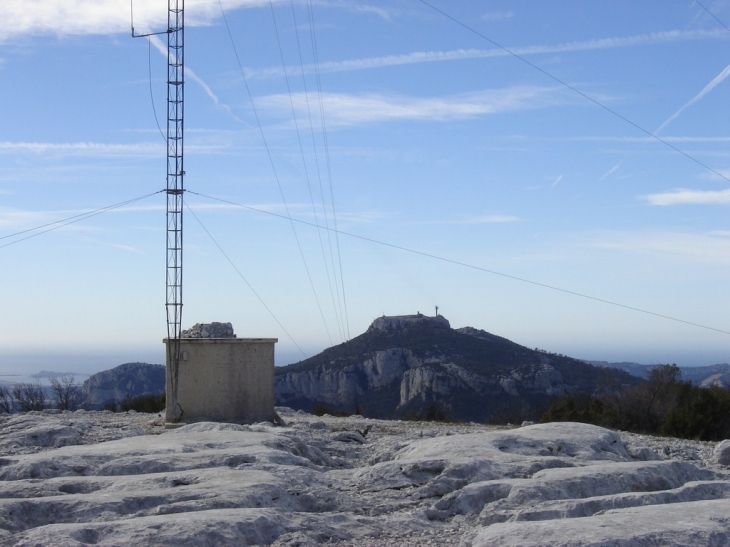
410,366
127,380
349,386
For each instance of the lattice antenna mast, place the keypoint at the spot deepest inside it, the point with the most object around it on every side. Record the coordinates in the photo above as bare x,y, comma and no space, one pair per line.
175,188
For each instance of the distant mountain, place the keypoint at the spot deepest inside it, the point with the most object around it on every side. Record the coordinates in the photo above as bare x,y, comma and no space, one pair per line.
47,374
118,383
635,369
418,366
712,375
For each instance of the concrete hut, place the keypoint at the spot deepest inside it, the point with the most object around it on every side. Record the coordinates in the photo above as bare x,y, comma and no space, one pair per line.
222,378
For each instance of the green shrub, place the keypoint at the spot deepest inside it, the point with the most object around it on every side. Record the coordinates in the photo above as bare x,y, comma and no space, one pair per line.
662,405
144,403
579,408
701,413
321,410
431,414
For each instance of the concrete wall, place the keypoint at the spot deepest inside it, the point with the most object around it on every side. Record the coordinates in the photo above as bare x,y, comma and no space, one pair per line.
224,380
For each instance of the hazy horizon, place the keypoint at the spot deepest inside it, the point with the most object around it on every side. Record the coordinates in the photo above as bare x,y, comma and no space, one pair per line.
92,361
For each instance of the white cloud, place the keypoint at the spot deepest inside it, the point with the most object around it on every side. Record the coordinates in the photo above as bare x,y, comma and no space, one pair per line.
18,219
676,139
19,17
72,17
355,7
491,219
54,150
724,173
366,8
376,62
476,219
83,148
22,219
689,197
345,110
126,248
77,17
498,15
709,248
27,219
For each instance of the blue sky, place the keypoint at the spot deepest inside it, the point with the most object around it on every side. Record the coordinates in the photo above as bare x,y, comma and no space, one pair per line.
538,164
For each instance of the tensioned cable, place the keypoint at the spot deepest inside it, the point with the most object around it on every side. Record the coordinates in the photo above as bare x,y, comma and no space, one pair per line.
301,151
152,98
576,90
244,279
712,15
315,56
473,267
271,159
72,220
319,178
315,51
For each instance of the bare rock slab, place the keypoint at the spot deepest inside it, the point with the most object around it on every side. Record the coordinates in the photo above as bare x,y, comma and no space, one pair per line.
722,453
704,523
350,482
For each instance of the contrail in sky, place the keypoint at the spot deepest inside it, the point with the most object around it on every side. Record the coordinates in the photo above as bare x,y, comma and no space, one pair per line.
162,48
610,171
462,54
717,80
709,87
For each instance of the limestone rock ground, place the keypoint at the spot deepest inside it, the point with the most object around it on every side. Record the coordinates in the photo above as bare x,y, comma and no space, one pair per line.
83,478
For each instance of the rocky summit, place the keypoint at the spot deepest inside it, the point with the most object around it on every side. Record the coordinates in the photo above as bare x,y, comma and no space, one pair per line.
415,366
209,330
